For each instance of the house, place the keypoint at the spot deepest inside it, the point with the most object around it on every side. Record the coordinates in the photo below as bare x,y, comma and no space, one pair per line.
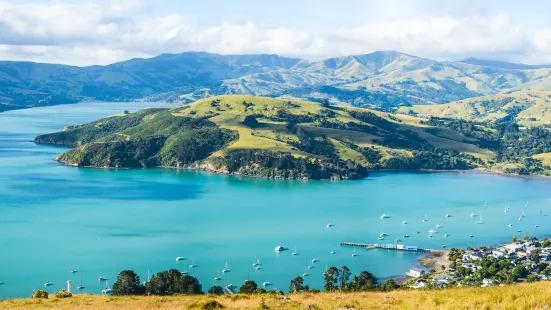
487,282
498,253
513,247
415,272
531,250
543,277
475,256
418,285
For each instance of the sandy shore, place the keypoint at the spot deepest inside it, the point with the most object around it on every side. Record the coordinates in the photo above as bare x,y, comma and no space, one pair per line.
435,260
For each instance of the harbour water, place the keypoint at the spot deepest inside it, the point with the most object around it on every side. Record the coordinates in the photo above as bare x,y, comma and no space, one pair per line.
54,219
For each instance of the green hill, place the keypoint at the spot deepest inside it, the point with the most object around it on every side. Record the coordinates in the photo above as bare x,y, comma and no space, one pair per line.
268,137
528,108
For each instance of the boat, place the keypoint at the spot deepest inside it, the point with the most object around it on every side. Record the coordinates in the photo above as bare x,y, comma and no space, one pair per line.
305,274
537,226
506,210
314,260
523,215
226,269
73,271
193,265
80,287
179,258
510,225
430,236
404,222
518,230
385,216
520,219
148,278
447,215
332,251
418,232
480,220
48,283
295,251
310,267
354,253
107,290
398,240
438,226
185,271
279,248
102,279
406,236
266,283
217,278
425,219
473,214
432,231
329,225
471,236
382,234
380,238
1,282
257,261
444,246
486,203
446,235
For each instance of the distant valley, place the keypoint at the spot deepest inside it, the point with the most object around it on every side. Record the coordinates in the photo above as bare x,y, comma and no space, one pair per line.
380,80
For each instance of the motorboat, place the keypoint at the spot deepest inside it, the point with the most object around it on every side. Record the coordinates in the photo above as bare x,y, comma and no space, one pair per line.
279,248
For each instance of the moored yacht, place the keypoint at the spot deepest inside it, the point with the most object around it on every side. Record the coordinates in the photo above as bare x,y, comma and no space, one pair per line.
385,216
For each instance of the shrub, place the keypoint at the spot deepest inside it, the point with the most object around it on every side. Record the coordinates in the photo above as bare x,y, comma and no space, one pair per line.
63,294
40,294
128,283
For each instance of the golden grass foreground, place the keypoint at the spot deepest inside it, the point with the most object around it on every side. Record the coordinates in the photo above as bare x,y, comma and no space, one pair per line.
518,296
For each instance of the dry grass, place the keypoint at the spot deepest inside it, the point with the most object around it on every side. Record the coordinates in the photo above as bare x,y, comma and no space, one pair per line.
519,296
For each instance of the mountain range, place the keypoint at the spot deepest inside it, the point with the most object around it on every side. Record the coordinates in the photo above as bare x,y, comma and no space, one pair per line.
378,80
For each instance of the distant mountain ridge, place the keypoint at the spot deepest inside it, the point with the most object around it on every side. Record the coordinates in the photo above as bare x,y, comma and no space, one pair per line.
378,80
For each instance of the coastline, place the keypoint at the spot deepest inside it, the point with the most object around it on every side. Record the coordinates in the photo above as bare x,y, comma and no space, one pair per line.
435,260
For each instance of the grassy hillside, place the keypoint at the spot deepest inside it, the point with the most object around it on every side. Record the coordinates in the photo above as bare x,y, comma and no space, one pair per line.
528,108
518,296
284,138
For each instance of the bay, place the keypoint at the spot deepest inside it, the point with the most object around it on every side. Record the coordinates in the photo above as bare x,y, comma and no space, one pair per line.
54,218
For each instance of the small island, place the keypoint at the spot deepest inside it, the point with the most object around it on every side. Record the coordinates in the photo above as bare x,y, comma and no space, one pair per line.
281,138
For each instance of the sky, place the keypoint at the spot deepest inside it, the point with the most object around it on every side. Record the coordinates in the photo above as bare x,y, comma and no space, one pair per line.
81,33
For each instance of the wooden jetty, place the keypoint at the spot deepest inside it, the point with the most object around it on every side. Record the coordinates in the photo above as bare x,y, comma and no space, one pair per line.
386,246
228,288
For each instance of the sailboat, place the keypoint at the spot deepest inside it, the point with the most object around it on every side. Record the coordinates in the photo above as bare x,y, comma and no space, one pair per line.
325,272
258,267
80,286
226,269
506,210
185,270
382,234
107,290
295,251
179,258
385,216
48,283
305,274
193,265
256,262
354,253
523,215
425,219
480,220
148,277
217,278
333,252
473,214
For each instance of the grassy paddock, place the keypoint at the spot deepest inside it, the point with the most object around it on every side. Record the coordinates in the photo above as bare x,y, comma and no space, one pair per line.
519,296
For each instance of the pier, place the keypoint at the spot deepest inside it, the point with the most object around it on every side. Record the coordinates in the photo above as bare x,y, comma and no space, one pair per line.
387,246
228,289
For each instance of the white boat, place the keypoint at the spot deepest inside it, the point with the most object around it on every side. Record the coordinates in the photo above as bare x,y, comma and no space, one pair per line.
425,219
380,238
185,271
193,265
537,226
382,234
473,214
48,283
480,220
518,230
471,236
73,271
217,278
523,215
314,260
510,225
107,290
447,215
148,278
506,210
266,283
354,253
257,261
279,248
406,236
329,225
257,267
520,219
432,231
226,269
332,251
102,279
310,267
80,287
385,216
446,235
295,251
404,222
430,236
444,246
305,274
438,226
179,258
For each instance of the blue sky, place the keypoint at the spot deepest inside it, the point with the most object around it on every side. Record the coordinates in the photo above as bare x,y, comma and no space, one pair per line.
105,31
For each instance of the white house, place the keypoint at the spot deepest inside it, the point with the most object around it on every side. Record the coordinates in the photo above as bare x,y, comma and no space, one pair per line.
498,253
415,272
513,247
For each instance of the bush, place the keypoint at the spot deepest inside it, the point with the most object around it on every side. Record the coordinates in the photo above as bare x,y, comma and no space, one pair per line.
250,121
128,283
216,290
40,294
63,294
173,282
211,305
249,287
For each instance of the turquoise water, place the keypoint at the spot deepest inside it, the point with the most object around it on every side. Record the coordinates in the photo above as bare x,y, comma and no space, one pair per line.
54,218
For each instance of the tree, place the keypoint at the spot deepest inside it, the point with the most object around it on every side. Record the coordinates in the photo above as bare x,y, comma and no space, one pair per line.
297,285
173,282
389,285
216,290
532,278
519,272
128,283
249,287
250,121
325,103
332,279
364,281
344,277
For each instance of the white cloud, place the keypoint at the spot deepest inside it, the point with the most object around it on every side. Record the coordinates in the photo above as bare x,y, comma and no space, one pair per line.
86,34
